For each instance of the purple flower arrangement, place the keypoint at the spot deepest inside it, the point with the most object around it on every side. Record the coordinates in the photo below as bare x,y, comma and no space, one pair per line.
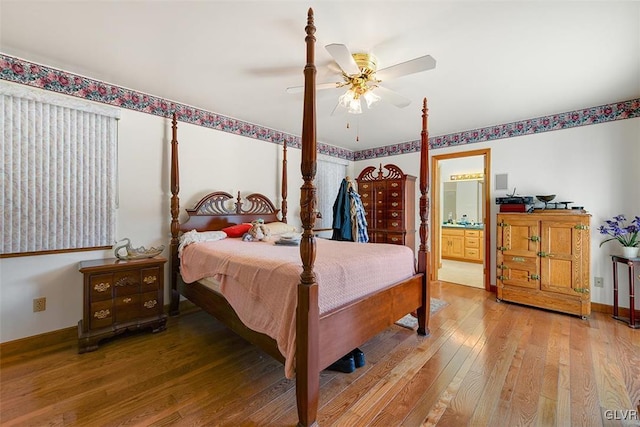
627,235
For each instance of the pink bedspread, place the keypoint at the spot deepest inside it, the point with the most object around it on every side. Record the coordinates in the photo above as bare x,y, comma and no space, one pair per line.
260,279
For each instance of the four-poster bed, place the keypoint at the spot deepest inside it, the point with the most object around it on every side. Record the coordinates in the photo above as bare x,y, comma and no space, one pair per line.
322,336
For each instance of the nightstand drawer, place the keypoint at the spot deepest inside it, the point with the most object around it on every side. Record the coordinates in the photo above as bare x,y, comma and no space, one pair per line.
127,308
149,304
101,314
150,279
101,287
126,282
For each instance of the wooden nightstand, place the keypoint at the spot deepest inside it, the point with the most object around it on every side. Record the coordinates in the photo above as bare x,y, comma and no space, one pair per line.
119,296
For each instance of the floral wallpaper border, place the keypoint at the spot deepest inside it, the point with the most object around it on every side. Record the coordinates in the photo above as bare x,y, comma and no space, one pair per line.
25,72
588,116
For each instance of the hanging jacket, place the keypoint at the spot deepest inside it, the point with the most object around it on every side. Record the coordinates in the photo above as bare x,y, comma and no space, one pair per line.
342,214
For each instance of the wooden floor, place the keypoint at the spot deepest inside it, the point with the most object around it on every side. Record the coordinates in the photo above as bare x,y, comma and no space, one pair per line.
485,363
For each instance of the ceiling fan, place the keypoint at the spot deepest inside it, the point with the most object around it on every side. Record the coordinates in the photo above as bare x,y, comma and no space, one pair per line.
361,76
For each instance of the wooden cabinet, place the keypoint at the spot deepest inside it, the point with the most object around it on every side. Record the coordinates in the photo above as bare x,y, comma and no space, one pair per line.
543,260
462,244
389,200
452,243
118,296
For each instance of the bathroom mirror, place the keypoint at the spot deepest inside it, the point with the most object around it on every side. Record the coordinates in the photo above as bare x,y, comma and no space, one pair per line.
462,198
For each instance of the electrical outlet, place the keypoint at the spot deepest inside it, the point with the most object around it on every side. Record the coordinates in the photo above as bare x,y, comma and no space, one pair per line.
39,304
598,282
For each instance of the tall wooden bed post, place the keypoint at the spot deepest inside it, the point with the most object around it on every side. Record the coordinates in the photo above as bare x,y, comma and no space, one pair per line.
308,313
284,181
423,255
175,224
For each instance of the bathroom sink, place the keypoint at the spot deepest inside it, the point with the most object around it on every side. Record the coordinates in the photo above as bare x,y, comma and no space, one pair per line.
468,226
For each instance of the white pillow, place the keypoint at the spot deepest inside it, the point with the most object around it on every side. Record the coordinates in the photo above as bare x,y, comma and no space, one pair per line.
195,236
277,228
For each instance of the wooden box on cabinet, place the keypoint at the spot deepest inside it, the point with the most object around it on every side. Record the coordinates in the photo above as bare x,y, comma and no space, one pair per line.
120,295
543,260
389,203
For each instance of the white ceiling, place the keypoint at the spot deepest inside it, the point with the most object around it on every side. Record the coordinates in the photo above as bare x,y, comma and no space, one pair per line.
497,61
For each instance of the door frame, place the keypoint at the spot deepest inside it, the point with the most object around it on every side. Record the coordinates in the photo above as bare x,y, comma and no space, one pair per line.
436,224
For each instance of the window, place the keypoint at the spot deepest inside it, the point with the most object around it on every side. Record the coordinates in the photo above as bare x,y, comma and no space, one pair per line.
329,175
58,172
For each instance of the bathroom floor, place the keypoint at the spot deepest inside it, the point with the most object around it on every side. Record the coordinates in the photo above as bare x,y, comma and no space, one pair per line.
463,273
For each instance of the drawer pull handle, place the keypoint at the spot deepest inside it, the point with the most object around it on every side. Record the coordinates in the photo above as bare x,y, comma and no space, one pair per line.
534,238
394,239
544,254
126,300
517,259
395,224
394,184
394,194
149,279
125,281
150,304
102,314
394,204
101,287
533,277
394,214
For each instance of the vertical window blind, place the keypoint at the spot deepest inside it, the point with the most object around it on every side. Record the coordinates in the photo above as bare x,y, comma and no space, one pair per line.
58,171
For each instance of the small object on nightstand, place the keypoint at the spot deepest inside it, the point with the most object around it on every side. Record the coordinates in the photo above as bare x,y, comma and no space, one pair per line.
120,295
135,253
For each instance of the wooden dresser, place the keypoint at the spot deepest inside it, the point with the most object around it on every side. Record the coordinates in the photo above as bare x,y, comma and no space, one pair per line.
119,296
543,260
389,200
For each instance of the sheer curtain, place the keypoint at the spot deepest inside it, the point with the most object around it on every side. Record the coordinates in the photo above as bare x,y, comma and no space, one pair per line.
330,173
58,171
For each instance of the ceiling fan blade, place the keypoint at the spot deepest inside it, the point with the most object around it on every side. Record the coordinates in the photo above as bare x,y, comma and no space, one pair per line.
392,97
319,86
343,57
422,63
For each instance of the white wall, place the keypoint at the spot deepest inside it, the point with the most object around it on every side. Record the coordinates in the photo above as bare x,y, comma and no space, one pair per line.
210,160
595,166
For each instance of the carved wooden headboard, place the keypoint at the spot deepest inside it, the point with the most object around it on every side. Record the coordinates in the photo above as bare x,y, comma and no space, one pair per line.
220,209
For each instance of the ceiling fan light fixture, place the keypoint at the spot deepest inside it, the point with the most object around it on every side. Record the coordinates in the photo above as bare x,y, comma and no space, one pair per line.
351,101
371,98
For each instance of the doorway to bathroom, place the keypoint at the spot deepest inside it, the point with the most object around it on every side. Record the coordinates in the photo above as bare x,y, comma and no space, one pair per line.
460,209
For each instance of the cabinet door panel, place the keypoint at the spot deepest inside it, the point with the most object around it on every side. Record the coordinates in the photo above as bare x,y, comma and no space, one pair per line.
519,271
559,262
519,236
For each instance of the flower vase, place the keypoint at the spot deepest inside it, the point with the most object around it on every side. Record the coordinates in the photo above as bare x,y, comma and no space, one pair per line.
630,251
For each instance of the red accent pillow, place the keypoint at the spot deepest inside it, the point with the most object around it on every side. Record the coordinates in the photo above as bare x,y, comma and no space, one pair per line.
237,230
